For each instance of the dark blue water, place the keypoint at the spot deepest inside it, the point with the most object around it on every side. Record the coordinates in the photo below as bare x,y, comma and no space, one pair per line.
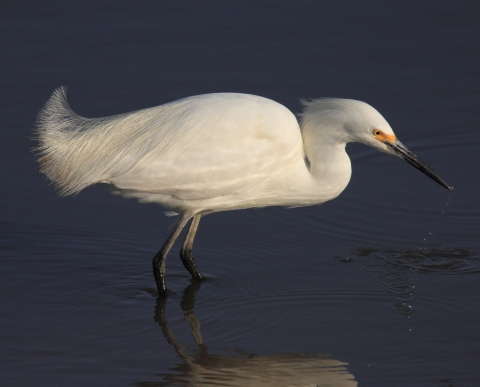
378,287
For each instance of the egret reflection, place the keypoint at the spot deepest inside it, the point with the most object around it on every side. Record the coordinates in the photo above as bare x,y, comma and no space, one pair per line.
201,368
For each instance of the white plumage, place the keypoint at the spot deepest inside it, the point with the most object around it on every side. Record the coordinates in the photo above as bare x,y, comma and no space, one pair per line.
211,153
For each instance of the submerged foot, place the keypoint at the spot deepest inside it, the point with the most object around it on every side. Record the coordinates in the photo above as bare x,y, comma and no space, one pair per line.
159,274
189,263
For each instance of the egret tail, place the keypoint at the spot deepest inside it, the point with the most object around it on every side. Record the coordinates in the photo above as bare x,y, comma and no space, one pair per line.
76,152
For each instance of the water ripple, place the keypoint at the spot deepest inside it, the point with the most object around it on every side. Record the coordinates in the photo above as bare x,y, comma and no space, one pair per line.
397,271
432,261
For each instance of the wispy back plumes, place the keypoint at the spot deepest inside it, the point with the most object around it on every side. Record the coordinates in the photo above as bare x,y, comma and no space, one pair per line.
77,152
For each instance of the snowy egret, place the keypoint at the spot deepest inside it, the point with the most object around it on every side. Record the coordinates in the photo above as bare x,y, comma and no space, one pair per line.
211,153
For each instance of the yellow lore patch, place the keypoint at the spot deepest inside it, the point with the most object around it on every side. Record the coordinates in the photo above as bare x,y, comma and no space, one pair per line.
380,136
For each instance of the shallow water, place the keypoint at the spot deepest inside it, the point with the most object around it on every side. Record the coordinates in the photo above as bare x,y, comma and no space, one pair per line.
378,287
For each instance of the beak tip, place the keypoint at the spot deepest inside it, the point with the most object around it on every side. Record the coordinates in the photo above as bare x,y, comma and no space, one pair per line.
399,150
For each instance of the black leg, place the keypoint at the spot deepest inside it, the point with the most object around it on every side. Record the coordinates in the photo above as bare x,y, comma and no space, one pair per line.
186,251
159,259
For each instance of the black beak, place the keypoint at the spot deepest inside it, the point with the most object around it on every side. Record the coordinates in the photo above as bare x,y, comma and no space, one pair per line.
399,149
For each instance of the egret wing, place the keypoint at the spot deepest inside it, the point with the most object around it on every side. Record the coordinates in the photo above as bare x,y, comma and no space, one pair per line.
215,145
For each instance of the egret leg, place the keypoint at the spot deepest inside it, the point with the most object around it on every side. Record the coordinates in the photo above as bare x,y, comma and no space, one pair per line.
186,251
160,258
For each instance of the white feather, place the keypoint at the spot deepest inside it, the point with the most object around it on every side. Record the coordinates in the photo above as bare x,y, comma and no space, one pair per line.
211,152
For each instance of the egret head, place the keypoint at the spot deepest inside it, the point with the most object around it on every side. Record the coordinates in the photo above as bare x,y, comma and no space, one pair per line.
381,136
356,121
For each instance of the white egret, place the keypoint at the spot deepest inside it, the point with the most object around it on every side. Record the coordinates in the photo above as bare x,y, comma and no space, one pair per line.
213,152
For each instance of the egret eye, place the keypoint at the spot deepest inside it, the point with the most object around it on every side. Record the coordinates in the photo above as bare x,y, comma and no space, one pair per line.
377,132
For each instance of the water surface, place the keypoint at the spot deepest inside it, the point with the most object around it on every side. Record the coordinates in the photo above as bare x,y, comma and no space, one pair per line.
377,288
